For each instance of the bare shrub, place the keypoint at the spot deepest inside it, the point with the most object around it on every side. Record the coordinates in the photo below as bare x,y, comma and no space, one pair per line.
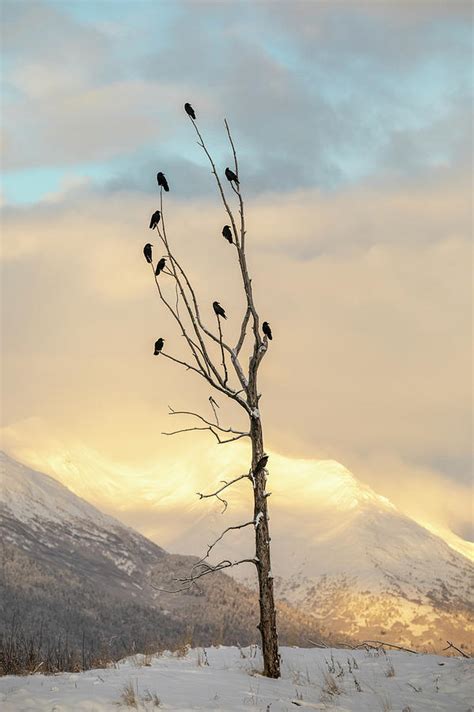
128,696
151,698
330,687
202,659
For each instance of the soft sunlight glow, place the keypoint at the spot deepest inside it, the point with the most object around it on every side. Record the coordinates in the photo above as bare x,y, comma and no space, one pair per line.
158,497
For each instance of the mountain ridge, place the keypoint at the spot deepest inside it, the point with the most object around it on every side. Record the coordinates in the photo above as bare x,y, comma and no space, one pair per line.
68,571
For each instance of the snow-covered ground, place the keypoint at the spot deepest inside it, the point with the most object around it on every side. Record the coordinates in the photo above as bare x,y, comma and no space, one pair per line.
228,679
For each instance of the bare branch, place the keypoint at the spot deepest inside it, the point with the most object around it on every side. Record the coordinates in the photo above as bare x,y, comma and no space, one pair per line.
211,430
208,362
190,581
381,643
176,316
243,332
194,316
241,247
216,494
209,569
214,405
182,363
237,189
221,190
317,644
451,645
220,341
172,411
196,349
226,375
219,538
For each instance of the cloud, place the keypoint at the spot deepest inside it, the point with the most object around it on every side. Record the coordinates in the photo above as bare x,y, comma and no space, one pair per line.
368,294
357,102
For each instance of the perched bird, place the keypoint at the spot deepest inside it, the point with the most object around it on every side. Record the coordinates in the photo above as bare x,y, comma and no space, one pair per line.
158,346
189,110
155,219
266,330
230,175
160,266
227,233
219,311
147,252
160,177
261,464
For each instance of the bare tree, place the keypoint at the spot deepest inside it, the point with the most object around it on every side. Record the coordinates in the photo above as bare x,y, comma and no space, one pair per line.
217,362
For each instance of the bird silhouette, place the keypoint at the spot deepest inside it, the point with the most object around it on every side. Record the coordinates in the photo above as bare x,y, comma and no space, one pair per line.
155,219
266,330
219,311
160,266
147,251
190,111
158,346
261,464
160,177
230,175
227,233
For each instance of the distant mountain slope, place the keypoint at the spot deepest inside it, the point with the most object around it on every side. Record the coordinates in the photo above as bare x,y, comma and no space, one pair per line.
381,574
73,571
363,569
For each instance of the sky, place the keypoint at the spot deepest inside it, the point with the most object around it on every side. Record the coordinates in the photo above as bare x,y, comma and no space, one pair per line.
352,120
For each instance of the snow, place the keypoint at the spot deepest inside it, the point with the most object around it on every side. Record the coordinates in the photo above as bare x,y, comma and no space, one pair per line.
28,496
228,679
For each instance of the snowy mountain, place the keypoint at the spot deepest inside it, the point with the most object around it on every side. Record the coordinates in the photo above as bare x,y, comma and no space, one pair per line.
45,519
364,570
374,572
70,570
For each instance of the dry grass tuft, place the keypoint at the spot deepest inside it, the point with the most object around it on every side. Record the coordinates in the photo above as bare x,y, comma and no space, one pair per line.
128,696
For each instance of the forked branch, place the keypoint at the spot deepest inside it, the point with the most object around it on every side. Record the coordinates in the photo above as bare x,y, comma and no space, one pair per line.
226,484
210,569
219,538
451,645
214,428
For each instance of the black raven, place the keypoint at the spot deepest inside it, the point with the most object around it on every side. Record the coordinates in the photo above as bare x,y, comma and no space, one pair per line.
227,233
158,346
160,266
218,310
155,219
230,175
266,330
160,177
189,110
147,252
261,464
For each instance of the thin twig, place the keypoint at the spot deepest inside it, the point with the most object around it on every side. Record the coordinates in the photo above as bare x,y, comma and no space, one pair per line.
172,411
208,569
220,537
226,375
381,643
214,405
220,440
451,645
216,175
216,494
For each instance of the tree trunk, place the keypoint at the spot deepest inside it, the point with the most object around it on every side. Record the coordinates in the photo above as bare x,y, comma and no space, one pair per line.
267,625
